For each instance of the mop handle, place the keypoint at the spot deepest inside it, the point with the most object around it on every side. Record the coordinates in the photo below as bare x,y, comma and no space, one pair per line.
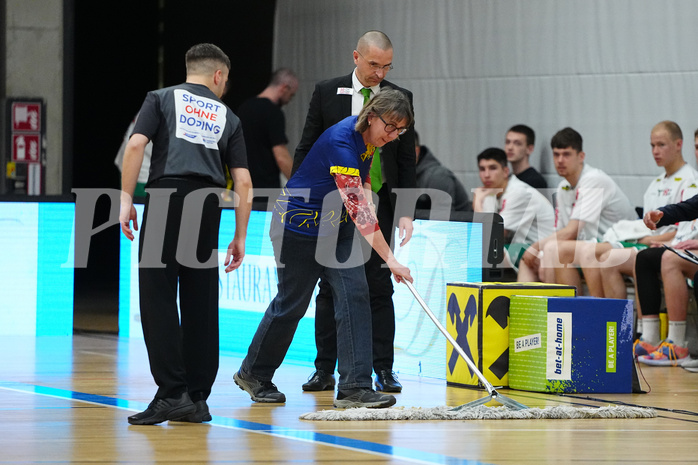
456,346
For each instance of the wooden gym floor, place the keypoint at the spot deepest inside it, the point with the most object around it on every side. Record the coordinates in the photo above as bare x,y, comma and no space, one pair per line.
66,399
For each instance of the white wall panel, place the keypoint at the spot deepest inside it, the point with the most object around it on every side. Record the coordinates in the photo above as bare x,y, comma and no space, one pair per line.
610,69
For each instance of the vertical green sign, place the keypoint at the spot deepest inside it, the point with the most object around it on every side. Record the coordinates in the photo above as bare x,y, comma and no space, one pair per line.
611,346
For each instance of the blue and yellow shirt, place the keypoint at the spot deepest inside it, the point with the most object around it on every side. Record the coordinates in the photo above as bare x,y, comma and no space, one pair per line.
339,150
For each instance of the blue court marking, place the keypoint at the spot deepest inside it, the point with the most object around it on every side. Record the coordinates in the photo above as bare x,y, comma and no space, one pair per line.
401,453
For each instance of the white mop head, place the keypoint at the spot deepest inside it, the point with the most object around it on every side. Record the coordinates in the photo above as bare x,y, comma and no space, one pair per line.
479,413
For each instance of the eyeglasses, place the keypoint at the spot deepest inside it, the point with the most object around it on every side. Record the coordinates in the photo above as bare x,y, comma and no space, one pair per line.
376,66
391,127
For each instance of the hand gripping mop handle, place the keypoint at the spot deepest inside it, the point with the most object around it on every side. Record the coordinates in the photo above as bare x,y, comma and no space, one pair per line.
493,394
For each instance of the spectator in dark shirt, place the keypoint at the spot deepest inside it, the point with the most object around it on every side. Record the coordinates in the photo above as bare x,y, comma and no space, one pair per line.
264,127
518,145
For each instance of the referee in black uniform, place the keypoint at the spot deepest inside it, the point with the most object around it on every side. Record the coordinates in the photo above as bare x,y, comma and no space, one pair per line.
196,137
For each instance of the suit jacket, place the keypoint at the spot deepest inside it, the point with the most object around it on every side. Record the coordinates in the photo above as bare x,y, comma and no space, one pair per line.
677,212
328,108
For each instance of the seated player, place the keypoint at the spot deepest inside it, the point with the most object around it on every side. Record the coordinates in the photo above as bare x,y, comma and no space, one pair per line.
657,269
606,264
588,202
526,213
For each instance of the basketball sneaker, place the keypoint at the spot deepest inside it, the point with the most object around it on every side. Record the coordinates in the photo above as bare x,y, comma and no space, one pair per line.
641,347
667,354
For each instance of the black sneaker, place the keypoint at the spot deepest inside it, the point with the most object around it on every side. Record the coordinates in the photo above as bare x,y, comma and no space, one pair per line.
363,397
201,415
259,391
161,410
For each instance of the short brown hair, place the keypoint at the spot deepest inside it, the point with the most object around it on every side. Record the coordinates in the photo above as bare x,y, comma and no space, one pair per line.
205,59
567,138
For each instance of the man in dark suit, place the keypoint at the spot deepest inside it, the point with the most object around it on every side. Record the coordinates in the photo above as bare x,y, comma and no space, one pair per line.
332,101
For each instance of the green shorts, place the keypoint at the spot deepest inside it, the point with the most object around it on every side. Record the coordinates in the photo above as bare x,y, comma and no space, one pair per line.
140,190
516,251
633,245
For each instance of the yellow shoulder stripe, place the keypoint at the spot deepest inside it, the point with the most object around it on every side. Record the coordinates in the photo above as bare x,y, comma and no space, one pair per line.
344,170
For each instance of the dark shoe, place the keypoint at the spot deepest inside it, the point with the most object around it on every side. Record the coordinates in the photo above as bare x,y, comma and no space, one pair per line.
161,410
259,391
320,381
363,397
386,381
201,415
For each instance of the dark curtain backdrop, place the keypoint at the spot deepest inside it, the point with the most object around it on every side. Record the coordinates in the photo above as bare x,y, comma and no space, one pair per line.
120,53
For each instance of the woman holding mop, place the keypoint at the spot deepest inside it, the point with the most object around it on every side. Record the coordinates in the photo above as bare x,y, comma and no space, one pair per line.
313,234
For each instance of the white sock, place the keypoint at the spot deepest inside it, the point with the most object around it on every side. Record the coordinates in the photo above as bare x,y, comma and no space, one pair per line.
638,326
677,332
650,330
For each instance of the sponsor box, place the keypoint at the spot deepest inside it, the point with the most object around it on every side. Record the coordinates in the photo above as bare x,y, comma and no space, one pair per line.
581,344
478,319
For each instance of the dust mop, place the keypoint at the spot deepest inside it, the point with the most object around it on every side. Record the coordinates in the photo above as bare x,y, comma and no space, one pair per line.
476,410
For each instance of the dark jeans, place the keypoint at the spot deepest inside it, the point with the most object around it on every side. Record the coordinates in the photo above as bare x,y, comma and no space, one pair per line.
183,356
380,287
299,271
